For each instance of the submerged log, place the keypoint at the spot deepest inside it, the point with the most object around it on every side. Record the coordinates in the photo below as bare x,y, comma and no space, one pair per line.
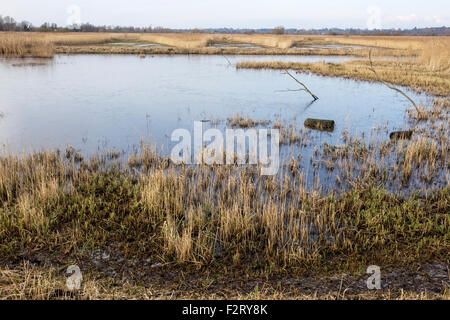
319,124
401,135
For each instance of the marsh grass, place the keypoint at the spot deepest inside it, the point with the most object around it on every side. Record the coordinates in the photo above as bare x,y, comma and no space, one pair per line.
410,74
14,45
239,121
64,207
231,215
187,214
430,49
438,110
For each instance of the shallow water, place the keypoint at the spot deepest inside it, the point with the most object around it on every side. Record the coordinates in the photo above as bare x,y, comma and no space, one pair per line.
93,102
97,103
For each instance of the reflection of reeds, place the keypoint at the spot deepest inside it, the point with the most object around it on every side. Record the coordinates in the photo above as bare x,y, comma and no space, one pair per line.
438,110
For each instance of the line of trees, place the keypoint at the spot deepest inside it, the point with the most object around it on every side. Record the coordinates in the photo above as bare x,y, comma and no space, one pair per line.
9,24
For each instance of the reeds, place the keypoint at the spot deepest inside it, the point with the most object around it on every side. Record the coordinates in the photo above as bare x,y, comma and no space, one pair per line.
239,121
16,45
436,55
231,214
425,47
410,74
229,217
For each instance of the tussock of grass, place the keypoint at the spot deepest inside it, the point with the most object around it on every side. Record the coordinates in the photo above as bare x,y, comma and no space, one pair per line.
427,48
239,121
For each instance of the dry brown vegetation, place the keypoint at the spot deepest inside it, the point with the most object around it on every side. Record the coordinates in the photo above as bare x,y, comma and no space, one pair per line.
219,218
426,67
219,221
30,281
245,122
280,44
419,77
12,45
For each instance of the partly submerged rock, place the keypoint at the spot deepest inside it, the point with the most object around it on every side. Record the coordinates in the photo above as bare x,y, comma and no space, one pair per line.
319,124
401,135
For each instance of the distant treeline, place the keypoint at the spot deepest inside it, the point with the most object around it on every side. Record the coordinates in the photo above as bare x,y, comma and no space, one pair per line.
9,24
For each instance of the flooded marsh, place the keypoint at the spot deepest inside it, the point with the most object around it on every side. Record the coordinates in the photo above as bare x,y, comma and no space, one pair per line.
85,163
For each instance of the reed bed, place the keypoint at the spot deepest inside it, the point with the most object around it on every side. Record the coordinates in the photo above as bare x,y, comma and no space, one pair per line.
60,203
12,45
223,214
272,44
414,75
245,122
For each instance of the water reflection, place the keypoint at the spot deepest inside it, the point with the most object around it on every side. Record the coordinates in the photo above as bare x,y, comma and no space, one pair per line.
93,102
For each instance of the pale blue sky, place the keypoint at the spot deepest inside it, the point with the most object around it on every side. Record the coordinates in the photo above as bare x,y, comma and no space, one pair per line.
238,13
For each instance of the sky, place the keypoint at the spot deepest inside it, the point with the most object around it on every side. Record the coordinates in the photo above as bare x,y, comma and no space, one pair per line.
310,14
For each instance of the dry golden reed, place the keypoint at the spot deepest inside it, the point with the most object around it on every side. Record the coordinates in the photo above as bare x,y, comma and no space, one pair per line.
18,45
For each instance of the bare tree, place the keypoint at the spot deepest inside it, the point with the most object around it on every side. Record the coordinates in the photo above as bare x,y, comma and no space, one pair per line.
278,30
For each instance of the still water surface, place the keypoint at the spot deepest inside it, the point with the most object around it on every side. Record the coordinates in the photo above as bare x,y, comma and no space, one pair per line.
99,102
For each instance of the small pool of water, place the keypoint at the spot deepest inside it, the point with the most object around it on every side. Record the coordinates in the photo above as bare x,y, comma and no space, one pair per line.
92,100
102,102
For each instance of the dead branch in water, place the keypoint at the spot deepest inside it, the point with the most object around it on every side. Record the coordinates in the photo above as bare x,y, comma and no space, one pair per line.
390,86
228,60
304,87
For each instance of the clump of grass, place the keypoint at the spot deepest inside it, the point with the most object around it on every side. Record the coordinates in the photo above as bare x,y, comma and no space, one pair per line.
19,45
245,122
188,43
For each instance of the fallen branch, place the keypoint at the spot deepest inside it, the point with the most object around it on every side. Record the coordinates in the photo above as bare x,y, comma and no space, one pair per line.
390,86
304,87
228,60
